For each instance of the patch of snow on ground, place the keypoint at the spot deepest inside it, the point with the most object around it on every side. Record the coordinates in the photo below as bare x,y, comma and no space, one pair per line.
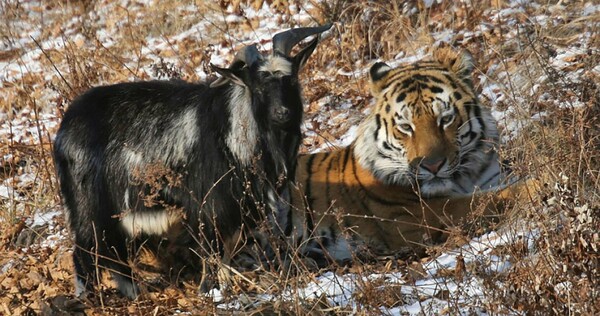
590,8
41,219
6,191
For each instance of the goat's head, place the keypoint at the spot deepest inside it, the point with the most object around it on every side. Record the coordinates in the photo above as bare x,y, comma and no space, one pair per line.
272,88
273,79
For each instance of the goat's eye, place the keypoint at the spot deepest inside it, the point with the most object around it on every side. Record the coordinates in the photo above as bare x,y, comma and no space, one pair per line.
405,128
447,119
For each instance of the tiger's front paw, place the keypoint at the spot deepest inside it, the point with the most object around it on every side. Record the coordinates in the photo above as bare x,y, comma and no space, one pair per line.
525,190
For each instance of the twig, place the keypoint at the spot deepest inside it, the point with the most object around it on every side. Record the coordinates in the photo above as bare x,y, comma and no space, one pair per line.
52,63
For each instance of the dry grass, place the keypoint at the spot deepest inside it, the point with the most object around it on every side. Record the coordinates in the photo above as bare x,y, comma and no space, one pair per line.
554,105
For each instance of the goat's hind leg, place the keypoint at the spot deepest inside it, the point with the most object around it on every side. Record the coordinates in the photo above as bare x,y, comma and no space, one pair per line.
86,276
118,265
91,256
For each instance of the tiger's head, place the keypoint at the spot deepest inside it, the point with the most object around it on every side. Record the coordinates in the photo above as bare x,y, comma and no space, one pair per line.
427,129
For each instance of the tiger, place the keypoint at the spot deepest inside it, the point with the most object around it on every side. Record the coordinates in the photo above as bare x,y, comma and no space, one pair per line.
425,153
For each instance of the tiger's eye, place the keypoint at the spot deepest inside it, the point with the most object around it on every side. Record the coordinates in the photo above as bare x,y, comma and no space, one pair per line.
447,119
405,128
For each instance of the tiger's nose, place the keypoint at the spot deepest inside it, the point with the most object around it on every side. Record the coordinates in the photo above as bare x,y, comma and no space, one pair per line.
433,165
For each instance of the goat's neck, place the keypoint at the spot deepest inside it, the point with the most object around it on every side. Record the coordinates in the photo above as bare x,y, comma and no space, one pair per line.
242,136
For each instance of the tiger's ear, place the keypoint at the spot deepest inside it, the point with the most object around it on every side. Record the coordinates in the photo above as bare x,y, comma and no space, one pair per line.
377,73
461,63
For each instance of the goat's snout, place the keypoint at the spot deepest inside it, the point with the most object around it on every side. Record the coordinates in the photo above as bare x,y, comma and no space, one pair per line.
280,114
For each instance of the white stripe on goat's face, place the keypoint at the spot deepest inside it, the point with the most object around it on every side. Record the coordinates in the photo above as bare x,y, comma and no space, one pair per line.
151,223
277,65
243,130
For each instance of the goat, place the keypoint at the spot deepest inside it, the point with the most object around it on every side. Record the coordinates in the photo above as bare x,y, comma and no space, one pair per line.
136,159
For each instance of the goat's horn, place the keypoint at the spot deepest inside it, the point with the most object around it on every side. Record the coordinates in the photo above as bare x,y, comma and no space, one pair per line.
248,55
285,41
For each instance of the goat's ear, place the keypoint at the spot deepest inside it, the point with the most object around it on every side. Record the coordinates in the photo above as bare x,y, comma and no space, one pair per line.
302,57
235,75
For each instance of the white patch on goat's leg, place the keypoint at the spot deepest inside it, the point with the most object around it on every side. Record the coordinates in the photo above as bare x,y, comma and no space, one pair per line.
149,222
80,289
126,285
243,130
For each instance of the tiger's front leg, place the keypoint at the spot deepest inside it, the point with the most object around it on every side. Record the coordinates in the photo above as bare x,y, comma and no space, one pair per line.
484,207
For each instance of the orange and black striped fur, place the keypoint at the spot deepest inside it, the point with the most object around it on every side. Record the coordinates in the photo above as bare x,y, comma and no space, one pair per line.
426,146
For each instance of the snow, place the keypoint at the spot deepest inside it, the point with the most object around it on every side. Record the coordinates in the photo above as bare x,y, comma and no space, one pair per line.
6,191
347,138
589,9
41,219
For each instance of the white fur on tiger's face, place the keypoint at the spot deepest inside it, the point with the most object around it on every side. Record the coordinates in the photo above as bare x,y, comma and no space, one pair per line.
427,129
